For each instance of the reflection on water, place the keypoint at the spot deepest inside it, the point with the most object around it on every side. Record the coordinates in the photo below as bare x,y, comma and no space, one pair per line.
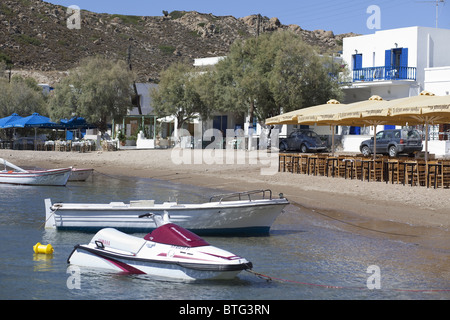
304,253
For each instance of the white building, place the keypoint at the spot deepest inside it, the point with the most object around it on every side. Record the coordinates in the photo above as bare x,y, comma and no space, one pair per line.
395,64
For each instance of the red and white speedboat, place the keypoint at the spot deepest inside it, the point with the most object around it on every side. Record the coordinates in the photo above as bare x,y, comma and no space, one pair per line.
169,251
13,174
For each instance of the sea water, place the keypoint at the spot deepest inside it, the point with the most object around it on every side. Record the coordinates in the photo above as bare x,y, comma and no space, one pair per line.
306,256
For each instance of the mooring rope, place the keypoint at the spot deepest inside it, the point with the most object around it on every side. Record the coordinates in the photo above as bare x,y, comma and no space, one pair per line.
271,278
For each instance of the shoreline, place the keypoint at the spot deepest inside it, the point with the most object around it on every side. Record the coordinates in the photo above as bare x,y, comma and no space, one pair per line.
412,214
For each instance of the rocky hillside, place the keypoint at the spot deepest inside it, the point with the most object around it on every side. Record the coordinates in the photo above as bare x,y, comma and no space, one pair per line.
35,39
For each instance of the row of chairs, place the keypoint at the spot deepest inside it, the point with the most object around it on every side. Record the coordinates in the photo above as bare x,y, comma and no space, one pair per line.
402,171
76,146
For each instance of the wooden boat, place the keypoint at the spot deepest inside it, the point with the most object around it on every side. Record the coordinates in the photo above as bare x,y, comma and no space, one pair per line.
13,174
221,215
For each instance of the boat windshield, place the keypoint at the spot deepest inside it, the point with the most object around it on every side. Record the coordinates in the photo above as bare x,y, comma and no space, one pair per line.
175,235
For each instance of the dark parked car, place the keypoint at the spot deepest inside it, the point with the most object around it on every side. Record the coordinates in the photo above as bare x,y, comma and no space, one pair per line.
394,142
303,140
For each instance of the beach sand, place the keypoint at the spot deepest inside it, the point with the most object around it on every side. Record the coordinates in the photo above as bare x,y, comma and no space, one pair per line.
416,214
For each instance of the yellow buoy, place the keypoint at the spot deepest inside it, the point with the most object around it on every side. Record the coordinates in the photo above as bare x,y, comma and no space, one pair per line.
40,248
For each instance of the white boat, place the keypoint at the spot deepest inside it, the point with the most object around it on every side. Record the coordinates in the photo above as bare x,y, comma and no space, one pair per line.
169,251
13,174
221,215
80,174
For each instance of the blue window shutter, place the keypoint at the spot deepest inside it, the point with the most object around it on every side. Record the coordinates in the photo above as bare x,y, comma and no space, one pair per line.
387,58
404,57
387,64
404,63
357,61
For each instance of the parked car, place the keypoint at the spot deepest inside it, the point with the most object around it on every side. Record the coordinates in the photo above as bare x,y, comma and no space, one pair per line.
303,140
394,142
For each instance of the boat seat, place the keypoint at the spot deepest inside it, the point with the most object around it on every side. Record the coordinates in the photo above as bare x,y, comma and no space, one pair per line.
114,239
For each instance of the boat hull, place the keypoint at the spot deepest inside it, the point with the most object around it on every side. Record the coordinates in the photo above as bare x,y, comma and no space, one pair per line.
53,177
91,258
253,217
168,252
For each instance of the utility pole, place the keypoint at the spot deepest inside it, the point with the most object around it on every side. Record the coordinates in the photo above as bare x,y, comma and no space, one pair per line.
258,24
135,100
437,8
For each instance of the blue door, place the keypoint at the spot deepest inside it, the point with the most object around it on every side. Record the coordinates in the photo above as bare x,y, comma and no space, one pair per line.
357,61
357,67
396,63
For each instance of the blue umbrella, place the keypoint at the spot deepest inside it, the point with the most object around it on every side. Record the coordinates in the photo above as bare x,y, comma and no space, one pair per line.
12,118
35,121
76,123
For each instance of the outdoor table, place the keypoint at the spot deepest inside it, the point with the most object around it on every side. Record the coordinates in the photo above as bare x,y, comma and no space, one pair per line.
350,162
6,144
49,145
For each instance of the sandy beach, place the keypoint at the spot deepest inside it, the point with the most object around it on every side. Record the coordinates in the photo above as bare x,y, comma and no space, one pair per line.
417,214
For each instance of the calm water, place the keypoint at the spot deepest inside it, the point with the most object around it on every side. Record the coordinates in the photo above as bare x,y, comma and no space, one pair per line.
304,250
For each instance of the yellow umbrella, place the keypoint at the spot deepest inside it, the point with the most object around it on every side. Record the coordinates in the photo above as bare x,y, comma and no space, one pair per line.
425,108
323,114
285,118
374,111
293,116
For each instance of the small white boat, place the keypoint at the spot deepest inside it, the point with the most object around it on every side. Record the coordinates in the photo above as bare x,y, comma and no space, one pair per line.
13,174
170,251
220,216
80,174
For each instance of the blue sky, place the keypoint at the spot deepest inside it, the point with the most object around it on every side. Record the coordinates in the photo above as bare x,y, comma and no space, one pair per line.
339,16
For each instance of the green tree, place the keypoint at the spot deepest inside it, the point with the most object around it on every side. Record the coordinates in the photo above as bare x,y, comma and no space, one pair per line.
22,96
176,94
273,72
98,90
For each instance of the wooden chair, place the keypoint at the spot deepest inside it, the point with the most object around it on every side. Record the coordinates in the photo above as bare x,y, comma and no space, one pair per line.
393,174
434,174
409,170
446,174
341,168
321,165
376,170
312,160
281,162
357,167
420,173
332,167
295,161
303,164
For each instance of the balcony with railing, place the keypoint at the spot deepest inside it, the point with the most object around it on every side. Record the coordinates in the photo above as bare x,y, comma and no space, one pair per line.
385,73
